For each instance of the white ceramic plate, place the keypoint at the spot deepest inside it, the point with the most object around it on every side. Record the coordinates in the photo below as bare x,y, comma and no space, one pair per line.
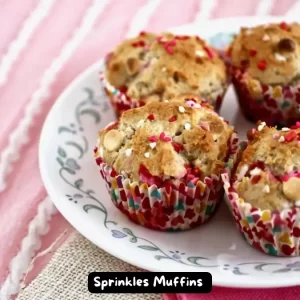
76,188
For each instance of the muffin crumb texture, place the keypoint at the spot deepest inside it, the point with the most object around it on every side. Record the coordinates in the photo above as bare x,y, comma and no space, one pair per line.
182,139
268,175
269,53
154,68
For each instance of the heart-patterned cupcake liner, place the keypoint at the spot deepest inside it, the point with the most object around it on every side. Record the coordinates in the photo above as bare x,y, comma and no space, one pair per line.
121,101
177,207
275,105
272,232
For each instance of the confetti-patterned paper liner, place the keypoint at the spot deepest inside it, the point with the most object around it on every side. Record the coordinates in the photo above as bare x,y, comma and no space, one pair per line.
272,232
180,208
276,105
122,102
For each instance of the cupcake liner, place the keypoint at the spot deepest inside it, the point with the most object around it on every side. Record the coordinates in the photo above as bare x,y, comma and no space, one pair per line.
122,102
272,232
275,105
179,207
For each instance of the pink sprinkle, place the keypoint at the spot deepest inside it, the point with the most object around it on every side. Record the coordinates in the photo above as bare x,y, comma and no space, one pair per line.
159,38
167,139
286,177
276,136
172,43
152,138
169,50
209,52
162,136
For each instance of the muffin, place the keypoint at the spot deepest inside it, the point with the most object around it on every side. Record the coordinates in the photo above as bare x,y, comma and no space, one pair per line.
264,191
152,68
162,162
266,72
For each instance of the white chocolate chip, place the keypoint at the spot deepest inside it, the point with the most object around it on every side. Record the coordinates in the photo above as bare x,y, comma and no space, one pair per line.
200,53
291,188
285,129
152,145
261,126
128,152
281,139
140,123
266,189
181,109
255,171
113,140
187,126
147,154
279,57
266,38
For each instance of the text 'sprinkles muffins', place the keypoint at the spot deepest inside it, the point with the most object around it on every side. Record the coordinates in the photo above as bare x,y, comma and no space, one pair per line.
152,68
264,191
162,162
266,72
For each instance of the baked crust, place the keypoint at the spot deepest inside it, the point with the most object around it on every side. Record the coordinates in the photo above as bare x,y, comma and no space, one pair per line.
169,138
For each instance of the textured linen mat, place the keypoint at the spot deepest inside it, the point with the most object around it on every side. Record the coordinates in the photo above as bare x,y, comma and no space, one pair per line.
65,277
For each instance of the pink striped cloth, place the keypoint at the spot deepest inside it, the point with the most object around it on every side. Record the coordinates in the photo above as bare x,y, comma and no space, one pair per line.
33,36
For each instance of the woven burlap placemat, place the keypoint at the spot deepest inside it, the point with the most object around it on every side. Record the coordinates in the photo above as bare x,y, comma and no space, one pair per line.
65,277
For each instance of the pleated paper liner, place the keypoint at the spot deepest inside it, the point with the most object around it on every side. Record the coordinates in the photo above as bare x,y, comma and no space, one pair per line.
272,232
276,105
178,207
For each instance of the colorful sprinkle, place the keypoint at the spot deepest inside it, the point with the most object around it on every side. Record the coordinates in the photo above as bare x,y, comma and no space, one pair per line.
266,189
152,138
284,26
255,179
187,126
261,126
128,152
279,57
151,117
177,147
252,52
152,145
209,52
290,136
140,123
200,53
164,138
255,171
147,154
173,119
262,65
181,109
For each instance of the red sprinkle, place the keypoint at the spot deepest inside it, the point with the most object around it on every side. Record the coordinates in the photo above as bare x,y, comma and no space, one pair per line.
113,173
196,172
262,65
95,149
209,52
252,52
151,117
152,138
182,37
138,44
162,136
256,179
290,136
177,147
123,89
173,119
284,26
143,33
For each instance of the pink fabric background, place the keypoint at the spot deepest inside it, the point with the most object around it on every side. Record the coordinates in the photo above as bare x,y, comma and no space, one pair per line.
18,203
